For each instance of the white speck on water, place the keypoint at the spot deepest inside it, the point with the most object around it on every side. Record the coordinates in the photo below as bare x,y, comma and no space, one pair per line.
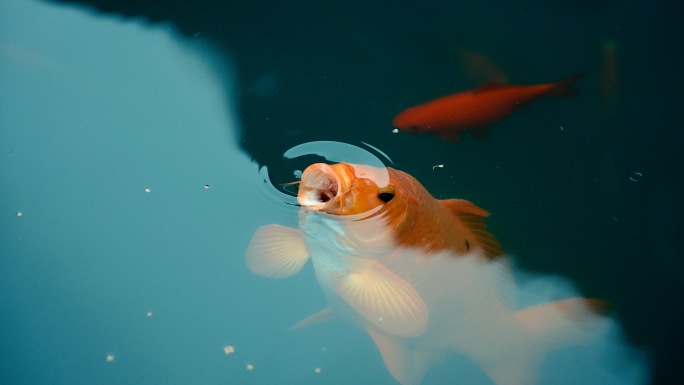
149,314
395,130
19,213
147,189
250,367
438,166
561,128
206,187
229,349
317,370
110,358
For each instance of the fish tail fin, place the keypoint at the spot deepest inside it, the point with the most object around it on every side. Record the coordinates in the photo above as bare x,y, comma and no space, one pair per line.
565,322
546,327
564,87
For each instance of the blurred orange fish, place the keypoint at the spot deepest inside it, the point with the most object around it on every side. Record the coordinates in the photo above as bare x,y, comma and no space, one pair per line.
421,276
473,111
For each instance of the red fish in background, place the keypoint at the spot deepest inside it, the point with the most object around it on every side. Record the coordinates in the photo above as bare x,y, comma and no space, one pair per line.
473,111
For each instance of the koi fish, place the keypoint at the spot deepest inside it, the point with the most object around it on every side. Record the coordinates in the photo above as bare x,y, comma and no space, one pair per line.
473,111
423,277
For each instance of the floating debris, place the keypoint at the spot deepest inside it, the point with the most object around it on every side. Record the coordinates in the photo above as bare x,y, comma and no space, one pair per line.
395,130
19,213
149,314
206,187
249,367
317,370
561,128
147,189
438,166
229,349
110,358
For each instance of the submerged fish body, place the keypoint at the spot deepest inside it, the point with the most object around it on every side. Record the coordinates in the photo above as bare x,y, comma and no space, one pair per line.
421,276
473,111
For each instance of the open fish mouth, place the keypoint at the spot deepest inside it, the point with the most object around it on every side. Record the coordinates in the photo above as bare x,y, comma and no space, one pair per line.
322,186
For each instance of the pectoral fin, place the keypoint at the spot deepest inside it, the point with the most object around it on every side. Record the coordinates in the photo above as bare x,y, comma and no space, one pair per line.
276,251
321,316
384,299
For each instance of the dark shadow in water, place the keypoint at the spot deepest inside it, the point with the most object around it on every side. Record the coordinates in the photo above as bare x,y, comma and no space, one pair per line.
315,71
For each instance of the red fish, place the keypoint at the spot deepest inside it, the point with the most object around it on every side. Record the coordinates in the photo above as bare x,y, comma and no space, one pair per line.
473,111
423,277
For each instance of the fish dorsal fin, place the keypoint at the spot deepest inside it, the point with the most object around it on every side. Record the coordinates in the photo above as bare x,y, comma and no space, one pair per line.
491,87
276,251
318,317
472,217
383,298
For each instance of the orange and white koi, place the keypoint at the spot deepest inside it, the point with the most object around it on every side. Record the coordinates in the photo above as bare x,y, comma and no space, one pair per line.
421,276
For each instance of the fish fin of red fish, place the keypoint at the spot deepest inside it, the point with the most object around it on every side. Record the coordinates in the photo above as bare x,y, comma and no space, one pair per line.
318,317
472,217
276,251
480,133
564,87
383,298
405,365
453,137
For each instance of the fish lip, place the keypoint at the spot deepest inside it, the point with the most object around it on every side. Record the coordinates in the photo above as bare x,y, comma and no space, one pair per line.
321,188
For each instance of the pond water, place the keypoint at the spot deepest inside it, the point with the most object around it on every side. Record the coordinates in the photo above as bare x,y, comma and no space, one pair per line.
142,145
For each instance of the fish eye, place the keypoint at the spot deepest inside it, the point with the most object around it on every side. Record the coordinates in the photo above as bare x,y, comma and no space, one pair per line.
386,194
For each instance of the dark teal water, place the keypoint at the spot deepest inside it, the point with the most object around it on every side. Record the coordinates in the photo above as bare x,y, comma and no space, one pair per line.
100,101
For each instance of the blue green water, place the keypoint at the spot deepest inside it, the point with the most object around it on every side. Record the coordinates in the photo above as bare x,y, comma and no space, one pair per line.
137,143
